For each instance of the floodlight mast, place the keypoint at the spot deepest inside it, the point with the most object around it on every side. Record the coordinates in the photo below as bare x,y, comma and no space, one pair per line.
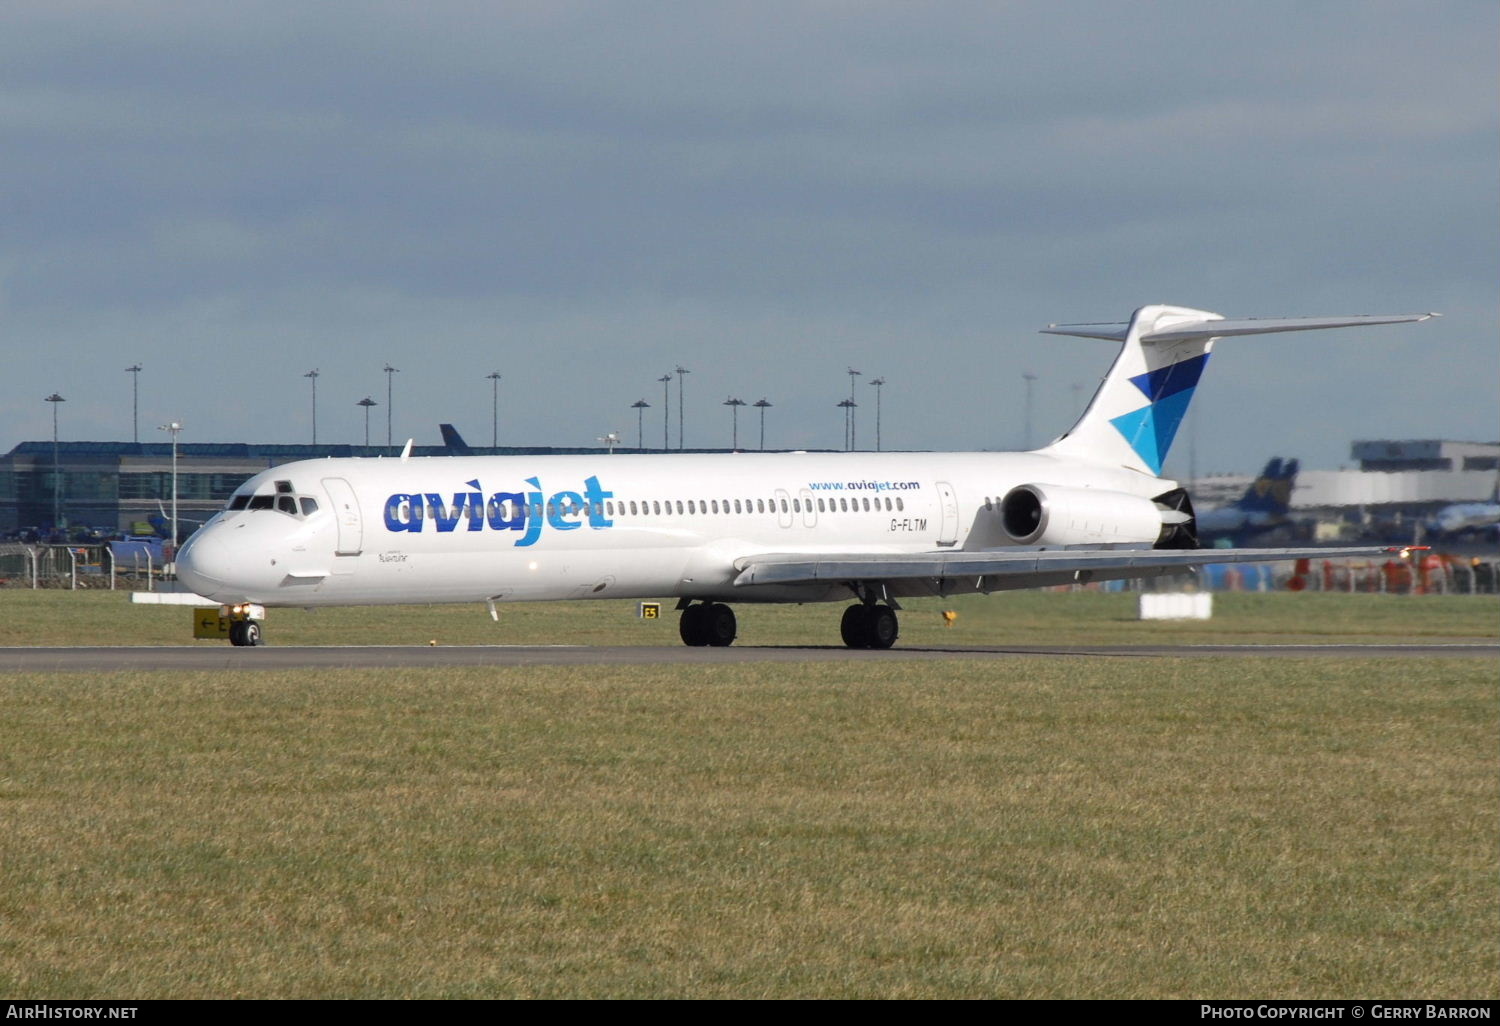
175,427
54,399
640,406
763,406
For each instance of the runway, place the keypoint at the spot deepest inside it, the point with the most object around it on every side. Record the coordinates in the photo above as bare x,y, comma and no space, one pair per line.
225,657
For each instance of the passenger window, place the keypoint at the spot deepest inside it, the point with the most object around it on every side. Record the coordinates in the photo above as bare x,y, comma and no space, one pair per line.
796,505
309,506
737,506
632,507
679,507
656,507
899,504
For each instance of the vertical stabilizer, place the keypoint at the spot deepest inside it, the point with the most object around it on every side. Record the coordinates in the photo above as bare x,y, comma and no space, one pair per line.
1133,418
1135,414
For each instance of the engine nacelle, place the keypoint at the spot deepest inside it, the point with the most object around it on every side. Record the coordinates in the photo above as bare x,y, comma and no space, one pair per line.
1045,514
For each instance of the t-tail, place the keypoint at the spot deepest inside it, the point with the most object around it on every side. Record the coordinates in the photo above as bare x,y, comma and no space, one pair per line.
1135,414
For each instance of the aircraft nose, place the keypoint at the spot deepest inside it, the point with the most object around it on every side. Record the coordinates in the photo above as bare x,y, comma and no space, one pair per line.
205,564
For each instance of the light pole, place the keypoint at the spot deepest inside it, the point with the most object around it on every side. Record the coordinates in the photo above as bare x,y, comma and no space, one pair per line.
54,399
135,402
1030,378
494,377
640,406
848,408
852,404
390,373
878,383
367,402
312,376
681,372
763,406
734,413
666,408
174,427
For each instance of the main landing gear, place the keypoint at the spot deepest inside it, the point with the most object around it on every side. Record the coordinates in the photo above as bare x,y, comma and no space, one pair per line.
869,626
707,623
865,625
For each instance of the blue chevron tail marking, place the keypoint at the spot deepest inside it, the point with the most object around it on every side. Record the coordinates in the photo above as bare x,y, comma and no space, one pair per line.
1170,380
1150,429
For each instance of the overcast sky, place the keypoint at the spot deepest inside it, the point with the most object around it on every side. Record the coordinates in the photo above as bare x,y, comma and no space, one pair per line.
584,196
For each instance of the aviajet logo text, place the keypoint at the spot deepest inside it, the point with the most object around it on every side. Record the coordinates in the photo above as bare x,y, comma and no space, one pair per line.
524,512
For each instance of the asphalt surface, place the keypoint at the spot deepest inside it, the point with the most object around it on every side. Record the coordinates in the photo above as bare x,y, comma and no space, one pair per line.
227,657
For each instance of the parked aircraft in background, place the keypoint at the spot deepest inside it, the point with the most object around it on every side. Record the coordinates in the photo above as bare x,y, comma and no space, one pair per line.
1263,508
710,529
1467,518
454,442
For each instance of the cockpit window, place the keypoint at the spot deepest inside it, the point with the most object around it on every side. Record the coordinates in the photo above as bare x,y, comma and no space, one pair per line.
284,500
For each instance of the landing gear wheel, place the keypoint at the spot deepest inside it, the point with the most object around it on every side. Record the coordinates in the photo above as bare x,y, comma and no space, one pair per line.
691,626
855,627
720,624
883,626
244,632
869,627
707,623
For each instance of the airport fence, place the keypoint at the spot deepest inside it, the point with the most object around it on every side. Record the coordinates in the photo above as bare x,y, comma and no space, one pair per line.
80,567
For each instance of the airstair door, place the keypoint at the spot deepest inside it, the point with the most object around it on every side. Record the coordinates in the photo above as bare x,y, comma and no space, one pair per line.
948,526
346,514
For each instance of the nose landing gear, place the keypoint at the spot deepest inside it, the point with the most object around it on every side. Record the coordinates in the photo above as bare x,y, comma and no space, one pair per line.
244,632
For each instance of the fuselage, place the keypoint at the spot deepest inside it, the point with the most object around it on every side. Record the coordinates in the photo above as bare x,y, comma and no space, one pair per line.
512,528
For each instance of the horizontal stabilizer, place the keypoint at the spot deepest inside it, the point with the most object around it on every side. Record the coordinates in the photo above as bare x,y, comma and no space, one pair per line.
1223,328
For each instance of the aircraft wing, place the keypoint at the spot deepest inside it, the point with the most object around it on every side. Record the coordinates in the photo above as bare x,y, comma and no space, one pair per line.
1010,568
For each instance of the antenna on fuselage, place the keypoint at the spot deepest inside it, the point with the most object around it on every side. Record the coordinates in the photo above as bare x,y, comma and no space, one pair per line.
406,452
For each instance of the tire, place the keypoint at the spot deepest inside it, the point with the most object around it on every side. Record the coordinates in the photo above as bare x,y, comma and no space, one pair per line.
252,633
719,625
855,627
693,627
883,626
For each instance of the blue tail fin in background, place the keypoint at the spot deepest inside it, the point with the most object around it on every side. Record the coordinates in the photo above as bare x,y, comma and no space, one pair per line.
454,441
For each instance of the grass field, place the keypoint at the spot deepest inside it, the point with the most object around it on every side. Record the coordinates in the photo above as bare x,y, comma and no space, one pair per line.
1033,827
1024,617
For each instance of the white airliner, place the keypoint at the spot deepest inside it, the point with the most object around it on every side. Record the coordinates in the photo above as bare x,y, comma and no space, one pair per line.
744,527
